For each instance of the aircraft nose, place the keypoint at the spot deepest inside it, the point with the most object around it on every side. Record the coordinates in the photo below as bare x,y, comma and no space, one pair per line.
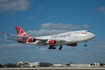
93,35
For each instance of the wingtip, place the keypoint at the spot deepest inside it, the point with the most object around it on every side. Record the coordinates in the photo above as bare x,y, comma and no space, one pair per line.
3,32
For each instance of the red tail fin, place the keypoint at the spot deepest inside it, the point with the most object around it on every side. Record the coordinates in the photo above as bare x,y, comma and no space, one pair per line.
20,31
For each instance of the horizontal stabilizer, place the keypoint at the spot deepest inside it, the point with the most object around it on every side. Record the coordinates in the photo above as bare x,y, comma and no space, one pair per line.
14,35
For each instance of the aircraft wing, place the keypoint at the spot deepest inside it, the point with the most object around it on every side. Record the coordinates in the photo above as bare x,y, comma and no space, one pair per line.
39,41
18,36
49,41
14,35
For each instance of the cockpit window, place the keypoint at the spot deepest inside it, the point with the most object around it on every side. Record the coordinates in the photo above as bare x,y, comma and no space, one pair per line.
84,32
87,31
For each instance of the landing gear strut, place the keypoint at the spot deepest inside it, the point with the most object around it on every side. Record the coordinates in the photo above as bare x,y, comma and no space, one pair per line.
85,44
60,48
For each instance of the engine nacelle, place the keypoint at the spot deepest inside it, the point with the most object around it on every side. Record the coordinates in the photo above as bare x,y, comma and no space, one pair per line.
72,44
31,40
20,40
51,42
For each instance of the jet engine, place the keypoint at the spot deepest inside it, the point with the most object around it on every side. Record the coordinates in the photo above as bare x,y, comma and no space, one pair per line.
20,40
51,42
31,40
72,44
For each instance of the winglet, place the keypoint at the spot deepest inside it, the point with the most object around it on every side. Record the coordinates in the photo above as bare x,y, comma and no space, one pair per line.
3,32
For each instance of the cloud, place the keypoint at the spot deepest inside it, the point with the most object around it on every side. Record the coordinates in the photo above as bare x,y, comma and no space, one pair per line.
40,7
30,17
102,9
2,58
61,26
12,46
95,53
100,46
43,49
86,26
52,28
90,54
43,32
14,5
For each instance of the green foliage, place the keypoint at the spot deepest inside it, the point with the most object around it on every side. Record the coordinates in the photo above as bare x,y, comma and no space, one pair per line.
8,65
1,65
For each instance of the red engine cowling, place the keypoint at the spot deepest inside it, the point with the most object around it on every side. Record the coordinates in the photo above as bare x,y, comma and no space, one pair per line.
51,42
20,40
72,44
31,40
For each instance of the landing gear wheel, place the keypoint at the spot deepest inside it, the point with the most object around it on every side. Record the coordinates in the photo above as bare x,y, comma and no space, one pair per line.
60,48
85,45
49,47
54,47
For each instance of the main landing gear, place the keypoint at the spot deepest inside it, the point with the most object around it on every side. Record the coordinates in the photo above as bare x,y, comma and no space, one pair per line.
60,48
53,47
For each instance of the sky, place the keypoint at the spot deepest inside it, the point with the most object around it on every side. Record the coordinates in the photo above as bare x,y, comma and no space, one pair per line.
47,17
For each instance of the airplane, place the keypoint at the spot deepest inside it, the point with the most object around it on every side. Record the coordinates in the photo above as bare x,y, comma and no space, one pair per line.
70,38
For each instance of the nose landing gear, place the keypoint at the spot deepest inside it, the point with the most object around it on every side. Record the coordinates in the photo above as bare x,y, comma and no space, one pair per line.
85,44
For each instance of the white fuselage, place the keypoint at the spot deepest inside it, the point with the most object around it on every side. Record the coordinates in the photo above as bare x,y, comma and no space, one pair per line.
67,37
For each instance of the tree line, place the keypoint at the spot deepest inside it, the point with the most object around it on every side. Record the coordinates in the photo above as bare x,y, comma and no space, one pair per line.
9,65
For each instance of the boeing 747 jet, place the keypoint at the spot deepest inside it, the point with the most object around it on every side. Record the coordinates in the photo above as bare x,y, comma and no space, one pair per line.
68,38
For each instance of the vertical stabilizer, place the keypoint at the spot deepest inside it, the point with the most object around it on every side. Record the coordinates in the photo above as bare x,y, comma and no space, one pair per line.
20,31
